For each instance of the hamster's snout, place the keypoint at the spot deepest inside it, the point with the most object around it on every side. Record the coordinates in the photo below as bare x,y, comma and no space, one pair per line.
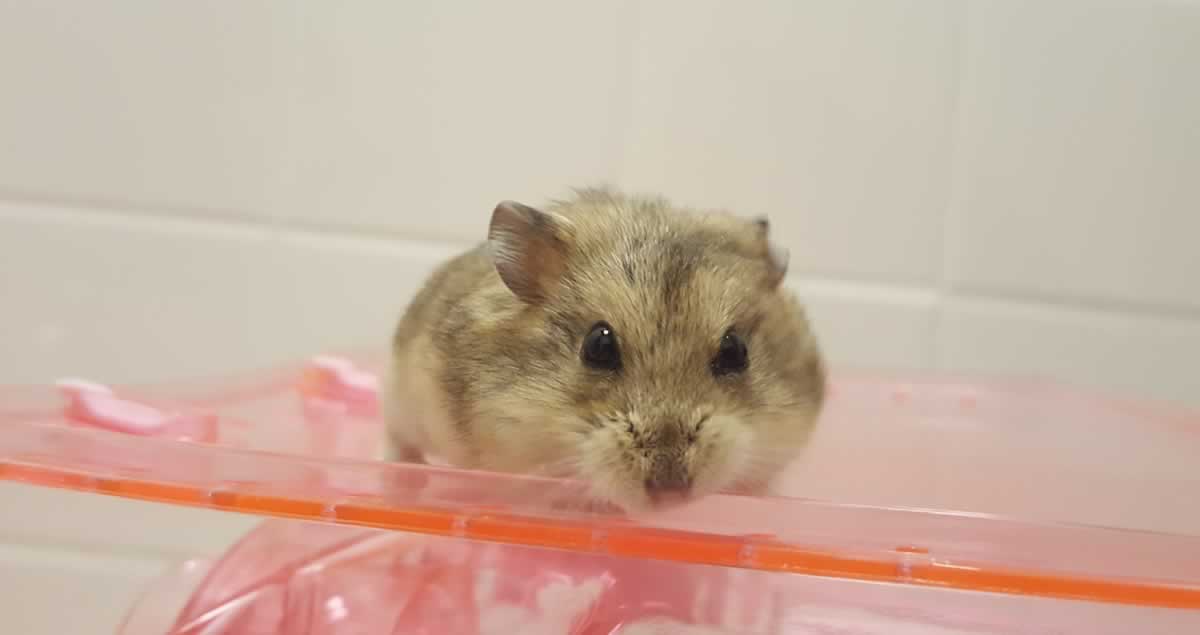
675,487
666,458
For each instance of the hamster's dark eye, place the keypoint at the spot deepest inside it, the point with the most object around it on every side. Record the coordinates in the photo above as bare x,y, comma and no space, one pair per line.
600,349
732,356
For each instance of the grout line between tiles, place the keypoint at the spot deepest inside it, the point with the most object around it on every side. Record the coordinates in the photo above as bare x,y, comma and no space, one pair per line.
276,225
1115,309
954,177
936,295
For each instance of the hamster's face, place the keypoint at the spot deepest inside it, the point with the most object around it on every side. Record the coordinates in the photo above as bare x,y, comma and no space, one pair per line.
667,364
687,380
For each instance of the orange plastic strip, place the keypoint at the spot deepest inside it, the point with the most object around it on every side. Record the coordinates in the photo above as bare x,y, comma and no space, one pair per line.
267,505
777,557
628,541
680,546
421,521
535,532
161,492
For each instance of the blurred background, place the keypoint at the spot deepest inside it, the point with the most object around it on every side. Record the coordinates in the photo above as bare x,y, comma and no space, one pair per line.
198,188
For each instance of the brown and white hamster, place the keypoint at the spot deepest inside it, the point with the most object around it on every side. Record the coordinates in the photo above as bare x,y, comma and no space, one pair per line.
647,350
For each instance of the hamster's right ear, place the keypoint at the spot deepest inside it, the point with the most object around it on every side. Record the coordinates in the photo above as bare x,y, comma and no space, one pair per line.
775,255
529,249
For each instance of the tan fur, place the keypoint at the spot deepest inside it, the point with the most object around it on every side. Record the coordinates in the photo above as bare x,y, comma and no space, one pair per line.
482,378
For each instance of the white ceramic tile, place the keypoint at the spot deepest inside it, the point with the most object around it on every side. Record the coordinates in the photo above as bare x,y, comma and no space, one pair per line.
106,524
529,98
359,117
831,117
124,299
138,299
143,102
1141,356
322,293
1176,159
870,326
1079,148
50,593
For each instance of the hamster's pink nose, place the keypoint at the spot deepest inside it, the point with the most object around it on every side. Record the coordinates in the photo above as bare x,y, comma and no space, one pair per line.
669,490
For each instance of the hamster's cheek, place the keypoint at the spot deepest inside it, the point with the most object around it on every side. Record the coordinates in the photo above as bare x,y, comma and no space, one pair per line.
611,475
775,443
722,455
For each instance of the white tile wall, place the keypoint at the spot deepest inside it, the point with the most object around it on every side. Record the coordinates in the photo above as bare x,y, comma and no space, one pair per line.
833,117
1078,153
62,590
145,104
192,188
1154,355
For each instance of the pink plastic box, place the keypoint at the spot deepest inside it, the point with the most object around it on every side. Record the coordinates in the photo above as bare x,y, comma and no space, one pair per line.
925,505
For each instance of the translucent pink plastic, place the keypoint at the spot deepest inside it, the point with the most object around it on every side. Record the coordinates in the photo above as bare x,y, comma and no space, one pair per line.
924,505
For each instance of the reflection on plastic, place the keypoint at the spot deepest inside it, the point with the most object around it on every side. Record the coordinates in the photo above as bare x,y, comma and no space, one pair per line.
481,551
294,578
306,579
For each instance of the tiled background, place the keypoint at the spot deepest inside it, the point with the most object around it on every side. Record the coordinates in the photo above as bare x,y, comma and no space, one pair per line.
188,188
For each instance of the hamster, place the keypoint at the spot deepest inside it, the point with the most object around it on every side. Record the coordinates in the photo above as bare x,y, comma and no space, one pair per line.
646,350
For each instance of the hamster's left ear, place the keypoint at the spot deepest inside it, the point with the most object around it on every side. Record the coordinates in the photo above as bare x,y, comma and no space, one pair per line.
529,249
775,256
